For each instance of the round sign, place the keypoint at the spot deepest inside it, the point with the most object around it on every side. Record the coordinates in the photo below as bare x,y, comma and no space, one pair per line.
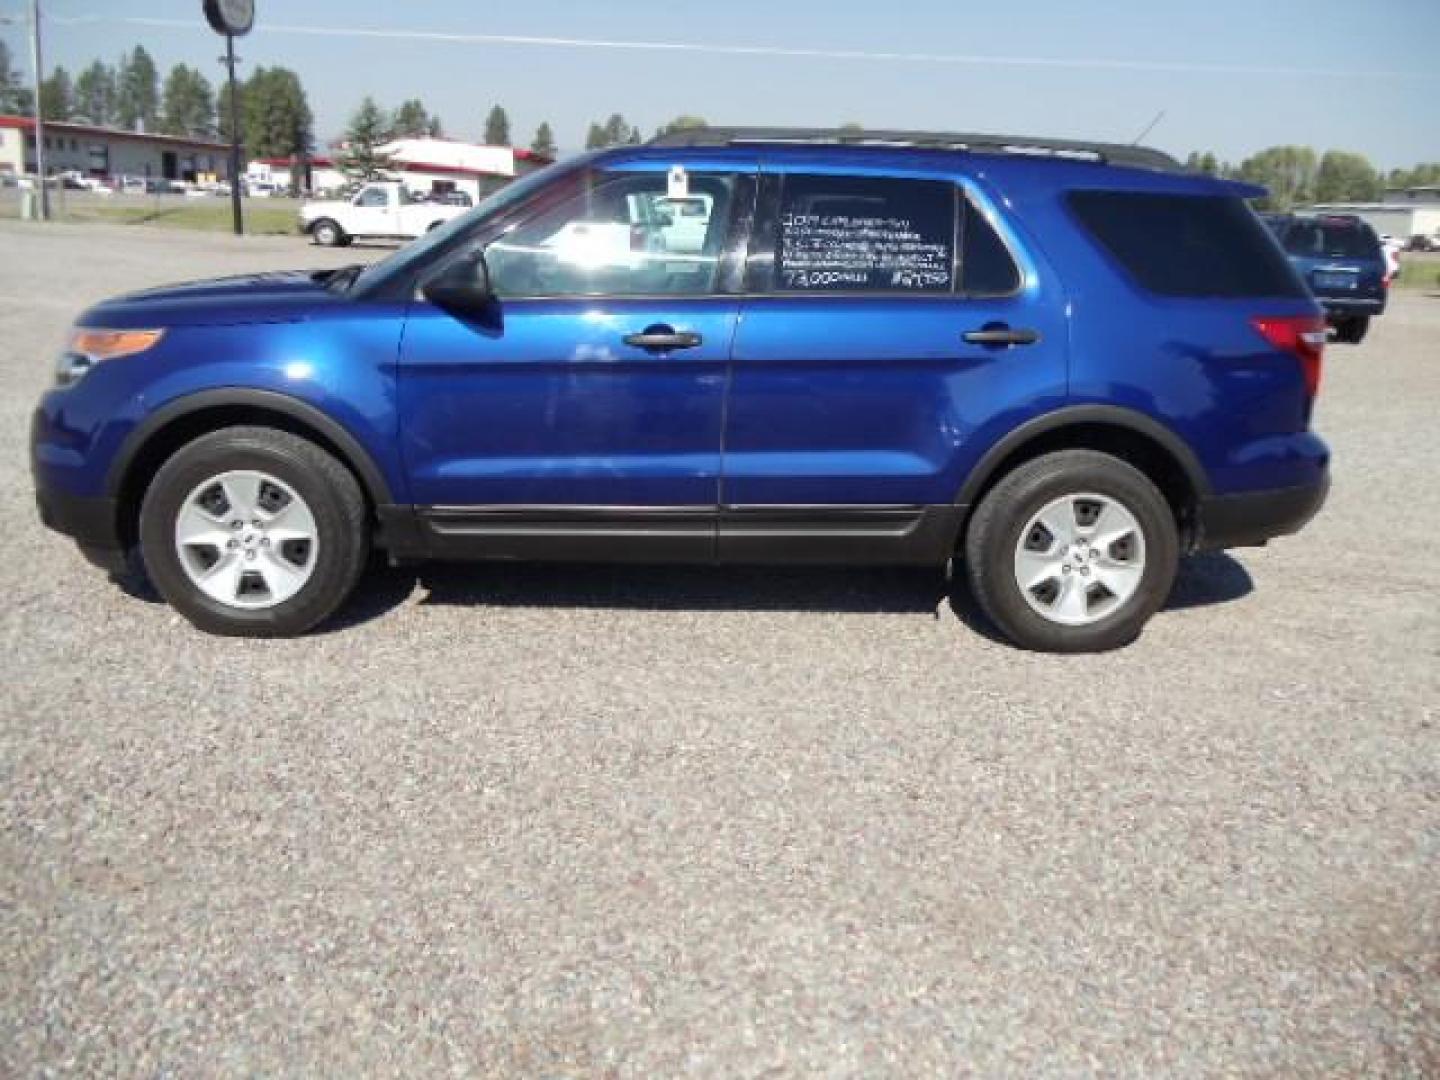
233,17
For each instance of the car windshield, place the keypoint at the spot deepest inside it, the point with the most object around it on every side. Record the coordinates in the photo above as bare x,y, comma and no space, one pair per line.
415,252
1343,239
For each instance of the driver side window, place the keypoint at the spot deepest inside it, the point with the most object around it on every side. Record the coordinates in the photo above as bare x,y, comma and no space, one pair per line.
623,234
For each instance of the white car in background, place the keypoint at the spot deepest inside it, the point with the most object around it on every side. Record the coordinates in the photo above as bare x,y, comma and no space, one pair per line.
1392,248
385,210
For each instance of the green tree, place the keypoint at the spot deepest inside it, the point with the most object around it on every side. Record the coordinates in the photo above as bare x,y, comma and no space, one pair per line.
411,121
137,91
544,141
852,127
276,116
1203,163
361,158
15,97
497,128
616,131
57,96
94,98
681,123
1346,177
434,129
187,103
1287,171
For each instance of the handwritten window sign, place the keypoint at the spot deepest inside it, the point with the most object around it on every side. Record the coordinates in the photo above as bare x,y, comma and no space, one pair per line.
865,234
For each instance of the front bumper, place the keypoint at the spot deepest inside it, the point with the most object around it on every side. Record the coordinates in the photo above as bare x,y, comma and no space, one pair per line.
1249,520
90,522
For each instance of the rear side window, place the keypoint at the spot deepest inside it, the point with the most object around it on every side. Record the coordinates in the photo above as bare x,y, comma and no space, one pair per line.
1332,238
1188,245
986,267
865,234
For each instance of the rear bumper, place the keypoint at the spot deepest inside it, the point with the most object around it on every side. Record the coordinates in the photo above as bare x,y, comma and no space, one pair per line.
1251,519
1350,306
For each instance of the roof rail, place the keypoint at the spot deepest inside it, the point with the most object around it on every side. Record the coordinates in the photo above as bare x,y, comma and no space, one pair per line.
1142,157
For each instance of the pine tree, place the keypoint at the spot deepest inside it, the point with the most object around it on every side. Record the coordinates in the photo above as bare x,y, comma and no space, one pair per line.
544,141
137,92
497,128
57,96
411,121
15,97
188,103
367,132
94,98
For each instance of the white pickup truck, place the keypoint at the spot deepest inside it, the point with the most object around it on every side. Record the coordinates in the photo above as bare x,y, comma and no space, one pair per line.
381,209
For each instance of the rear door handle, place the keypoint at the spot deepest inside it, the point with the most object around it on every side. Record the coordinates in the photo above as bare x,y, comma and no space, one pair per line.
658,339
1000,336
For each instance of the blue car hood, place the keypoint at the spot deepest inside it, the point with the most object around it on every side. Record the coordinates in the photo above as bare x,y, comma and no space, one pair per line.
245,298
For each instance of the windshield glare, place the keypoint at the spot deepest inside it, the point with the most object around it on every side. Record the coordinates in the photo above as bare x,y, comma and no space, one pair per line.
415,252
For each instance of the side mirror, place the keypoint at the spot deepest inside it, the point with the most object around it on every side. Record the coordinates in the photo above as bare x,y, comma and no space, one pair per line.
463,288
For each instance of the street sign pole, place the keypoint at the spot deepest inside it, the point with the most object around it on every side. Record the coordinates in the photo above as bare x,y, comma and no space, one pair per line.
229,61
232,18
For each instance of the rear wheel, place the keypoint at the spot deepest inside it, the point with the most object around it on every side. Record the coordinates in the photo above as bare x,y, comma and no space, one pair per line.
253,532
328,233
1352,331
1072,552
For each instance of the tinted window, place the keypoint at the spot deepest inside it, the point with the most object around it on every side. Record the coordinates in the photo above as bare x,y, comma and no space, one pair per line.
1188,245
986,267
623,234
1343,238
865,234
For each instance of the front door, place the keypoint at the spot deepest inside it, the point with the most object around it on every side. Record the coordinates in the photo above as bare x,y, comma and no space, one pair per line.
371,212
587,413
888,331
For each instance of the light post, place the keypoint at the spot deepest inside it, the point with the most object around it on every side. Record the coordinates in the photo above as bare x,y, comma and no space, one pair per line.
232,18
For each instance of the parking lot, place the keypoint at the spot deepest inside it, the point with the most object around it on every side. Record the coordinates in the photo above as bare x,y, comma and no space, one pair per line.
576,820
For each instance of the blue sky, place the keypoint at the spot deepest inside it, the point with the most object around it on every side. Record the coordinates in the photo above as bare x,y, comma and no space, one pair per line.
1232,75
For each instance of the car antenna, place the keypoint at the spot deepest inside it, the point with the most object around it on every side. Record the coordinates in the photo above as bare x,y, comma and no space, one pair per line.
1149,127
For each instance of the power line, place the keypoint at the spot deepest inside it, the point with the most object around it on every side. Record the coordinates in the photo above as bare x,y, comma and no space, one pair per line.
787,52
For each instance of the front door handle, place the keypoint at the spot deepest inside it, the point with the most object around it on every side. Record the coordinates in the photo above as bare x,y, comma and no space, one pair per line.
1000,336
663,339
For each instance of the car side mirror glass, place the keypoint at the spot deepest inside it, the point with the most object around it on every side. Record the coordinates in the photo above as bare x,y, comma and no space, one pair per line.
463,288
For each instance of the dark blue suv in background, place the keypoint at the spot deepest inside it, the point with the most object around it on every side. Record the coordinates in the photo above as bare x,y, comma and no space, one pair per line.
1065,365
1340,258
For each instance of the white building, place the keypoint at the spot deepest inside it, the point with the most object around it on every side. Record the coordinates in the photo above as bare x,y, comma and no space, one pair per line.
101,151
424,166
1403,213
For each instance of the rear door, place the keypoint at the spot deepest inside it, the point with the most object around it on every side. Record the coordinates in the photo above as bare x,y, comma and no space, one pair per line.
889,321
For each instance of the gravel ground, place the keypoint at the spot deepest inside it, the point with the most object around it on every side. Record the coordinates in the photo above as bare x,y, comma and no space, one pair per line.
629,821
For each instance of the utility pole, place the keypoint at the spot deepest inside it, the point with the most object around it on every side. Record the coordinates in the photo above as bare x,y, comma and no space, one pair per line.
37,61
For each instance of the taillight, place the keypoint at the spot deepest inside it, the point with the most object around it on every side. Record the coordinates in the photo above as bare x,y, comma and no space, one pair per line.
1303,336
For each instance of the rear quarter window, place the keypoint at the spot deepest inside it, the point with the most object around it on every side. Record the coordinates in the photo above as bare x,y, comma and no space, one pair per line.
1188,245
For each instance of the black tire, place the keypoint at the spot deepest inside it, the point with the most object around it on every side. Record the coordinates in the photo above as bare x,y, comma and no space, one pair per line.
995,533
1352,331
327,487
327,233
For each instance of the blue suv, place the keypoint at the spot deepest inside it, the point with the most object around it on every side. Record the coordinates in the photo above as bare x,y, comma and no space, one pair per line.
1065,365
1341,259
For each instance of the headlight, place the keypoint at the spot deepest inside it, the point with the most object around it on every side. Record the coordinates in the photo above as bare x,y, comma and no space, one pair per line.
88,347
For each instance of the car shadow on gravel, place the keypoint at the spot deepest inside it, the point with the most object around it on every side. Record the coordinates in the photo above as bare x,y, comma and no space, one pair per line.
1214,578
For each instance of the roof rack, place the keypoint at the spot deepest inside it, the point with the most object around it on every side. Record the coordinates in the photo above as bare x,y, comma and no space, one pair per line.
1142,157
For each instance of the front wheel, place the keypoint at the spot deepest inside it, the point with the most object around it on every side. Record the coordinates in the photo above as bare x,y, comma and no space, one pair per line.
1072,552
253,532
